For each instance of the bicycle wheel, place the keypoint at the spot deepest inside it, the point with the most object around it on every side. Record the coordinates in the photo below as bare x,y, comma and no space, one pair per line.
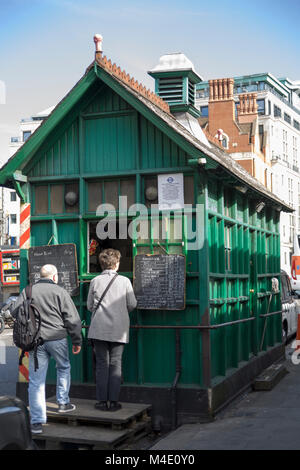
2,325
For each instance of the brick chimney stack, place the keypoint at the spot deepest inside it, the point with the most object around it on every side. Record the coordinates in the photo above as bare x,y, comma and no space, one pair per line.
247,108
221,89
221,106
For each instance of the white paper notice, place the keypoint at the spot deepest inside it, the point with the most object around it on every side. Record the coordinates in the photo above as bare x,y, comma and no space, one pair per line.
170,191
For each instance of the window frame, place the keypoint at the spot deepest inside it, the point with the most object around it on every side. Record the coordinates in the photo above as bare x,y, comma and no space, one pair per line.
49,185
13,196
13,219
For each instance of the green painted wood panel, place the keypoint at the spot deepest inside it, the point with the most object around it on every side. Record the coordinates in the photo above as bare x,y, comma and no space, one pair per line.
106,100
62,158
40,233
157,150
254,261
110,144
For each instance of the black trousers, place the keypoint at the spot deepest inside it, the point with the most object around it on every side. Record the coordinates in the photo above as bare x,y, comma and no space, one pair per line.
108,369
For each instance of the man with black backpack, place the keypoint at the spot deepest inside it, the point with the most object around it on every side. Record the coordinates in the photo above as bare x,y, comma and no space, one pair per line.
44,316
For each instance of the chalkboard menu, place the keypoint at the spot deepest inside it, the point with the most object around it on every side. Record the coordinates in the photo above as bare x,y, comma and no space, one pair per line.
159,282
61,256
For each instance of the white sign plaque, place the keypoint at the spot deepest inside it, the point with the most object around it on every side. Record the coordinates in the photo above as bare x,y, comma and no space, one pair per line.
170,191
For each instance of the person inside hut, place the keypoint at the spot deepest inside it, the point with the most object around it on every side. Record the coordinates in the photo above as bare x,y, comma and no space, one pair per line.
110,300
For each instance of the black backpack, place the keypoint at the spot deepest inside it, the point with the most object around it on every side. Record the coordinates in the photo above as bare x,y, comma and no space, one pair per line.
27,326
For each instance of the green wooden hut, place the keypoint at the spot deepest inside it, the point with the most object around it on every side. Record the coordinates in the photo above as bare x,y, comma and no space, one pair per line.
111,137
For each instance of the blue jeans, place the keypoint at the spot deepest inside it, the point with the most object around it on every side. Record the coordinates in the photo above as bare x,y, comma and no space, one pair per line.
57,349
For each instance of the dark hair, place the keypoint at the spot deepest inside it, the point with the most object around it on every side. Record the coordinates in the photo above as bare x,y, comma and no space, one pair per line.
109,258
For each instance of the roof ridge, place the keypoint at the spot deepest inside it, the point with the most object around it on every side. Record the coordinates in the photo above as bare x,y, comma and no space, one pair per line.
106,63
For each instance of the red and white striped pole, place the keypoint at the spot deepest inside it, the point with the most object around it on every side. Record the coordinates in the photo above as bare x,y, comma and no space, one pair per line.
25,226
24,245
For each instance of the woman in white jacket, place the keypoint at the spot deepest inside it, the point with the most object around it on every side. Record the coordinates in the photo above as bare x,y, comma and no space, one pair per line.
110,299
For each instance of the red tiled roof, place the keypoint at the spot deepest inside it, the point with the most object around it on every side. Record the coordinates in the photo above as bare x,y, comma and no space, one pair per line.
130,81
212,139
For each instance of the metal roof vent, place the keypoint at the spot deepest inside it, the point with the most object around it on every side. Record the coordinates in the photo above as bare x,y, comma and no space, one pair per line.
175,81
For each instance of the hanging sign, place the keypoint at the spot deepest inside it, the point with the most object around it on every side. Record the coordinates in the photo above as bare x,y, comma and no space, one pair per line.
170,191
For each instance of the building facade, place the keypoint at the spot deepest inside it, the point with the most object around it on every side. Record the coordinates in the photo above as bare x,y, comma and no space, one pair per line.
9,217
272,106
9,200
27,128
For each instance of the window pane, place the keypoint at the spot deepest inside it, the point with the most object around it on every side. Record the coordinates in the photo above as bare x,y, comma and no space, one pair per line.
189,190
143,231
95,195
167,229
13,196
175,230
156,230
204,111
26,135
261,106
57,198
41,200
111,192
128,189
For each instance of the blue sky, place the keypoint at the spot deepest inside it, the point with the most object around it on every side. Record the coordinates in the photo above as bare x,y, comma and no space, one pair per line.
46,45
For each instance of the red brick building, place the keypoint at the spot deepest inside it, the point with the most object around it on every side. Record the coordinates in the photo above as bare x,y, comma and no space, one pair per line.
236,128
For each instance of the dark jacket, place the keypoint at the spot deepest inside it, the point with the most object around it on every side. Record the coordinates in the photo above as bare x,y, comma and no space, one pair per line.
59,316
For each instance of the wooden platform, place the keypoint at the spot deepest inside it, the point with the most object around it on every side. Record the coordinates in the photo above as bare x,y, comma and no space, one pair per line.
89,428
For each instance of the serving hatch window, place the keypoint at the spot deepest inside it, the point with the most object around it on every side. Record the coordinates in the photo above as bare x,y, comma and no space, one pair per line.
118,242
159,235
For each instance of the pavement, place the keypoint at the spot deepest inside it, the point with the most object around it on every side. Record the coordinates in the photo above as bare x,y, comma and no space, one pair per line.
8,364
268,420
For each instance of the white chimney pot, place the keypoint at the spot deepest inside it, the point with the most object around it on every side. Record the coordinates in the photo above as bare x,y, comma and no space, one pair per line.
98,42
